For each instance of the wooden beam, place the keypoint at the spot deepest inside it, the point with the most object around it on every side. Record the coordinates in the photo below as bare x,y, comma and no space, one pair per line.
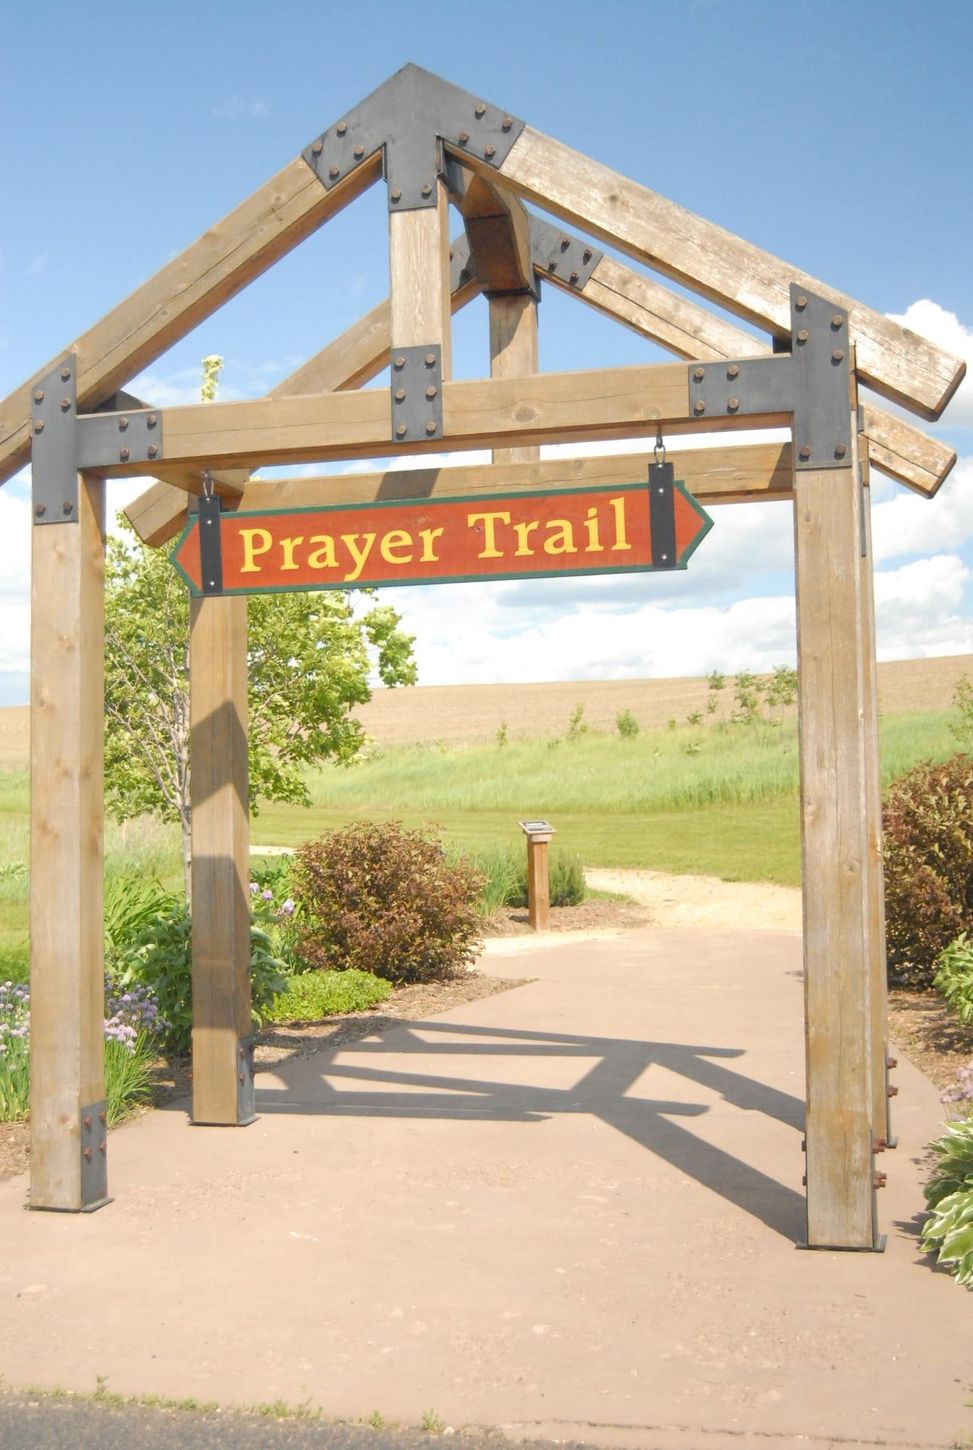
708,259
513,354
220,861
681,325
67,1008
482,413
753,471
284,211
838,1129
419,293
498,229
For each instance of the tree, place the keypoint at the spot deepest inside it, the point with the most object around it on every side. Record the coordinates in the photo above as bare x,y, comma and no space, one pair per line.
310,657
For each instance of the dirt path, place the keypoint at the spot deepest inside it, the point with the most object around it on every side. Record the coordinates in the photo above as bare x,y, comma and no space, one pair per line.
680,901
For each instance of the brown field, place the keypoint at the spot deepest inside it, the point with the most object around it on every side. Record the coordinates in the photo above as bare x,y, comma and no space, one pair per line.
464,714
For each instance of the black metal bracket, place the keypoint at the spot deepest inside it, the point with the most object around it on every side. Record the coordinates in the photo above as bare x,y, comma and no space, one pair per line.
417,393
209,509
408,118
94,1156
561,255
811,382
246,1098
662,515
64,441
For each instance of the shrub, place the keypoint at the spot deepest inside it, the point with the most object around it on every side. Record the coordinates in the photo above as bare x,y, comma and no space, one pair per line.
626,724
501,868
386,900
566,876
577,724
954,977
948,1231
314,995
928,824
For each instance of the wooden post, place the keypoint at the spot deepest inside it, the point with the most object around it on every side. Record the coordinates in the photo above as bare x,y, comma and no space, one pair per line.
513,354
68,1134
419,297
874,877
538,835
222,1044
834,781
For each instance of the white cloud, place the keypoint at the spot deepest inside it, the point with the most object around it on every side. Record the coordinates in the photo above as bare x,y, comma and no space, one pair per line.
236,109
903,523
947,331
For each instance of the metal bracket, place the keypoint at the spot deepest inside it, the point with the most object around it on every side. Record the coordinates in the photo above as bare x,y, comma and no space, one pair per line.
560,254
210,510
662,515
94,1156
246,1100
811,382
54,463
407,118
461,267
106,439
417,393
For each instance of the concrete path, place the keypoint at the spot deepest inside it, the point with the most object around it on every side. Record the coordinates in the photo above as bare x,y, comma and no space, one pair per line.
569,1210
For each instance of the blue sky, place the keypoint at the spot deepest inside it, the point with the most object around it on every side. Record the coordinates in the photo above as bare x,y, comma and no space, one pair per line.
835,134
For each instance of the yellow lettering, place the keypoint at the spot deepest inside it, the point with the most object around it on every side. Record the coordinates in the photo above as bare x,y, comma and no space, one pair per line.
359,555
251,548
287,547
523,531
323,558
617,506
489,521
562,540
595,546
429,537
396,539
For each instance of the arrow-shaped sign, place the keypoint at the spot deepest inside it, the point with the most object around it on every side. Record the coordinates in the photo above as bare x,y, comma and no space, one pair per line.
631,528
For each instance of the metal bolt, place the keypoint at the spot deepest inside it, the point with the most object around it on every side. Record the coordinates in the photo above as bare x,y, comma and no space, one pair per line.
341,127
40,510
151,420
67,507
103,1118
506,123
552,265
879,1146
464,136
804,1180
489,151
399,362
804,451
334,172
803,335
396,194
431,391
565,243
39,426
431,426
426,189
800,303
840,449
153,450
124,455
732,404
400,395
359,152
838,355
837,321
65,374
699,406
891,1062
87,1120
65,404
317,148
87,1155
122,424
479,110
699,374
892,1090
587,254
39,396
240,1078
733,371
575,276
430,359
879,1180
103,1146
400,431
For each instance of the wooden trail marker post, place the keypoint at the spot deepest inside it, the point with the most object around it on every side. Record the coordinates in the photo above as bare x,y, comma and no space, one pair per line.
538,835
436,144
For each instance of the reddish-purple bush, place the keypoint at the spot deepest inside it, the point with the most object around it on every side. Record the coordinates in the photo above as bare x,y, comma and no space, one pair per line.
928,825
386,900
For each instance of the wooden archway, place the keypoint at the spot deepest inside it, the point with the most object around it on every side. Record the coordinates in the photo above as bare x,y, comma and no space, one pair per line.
436,146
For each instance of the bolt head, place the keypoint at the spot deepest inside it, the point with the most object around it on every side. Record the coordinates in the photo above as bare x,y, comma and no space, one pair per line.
803,335
506,123
732,404
804,451
87,1155
399,362
699,406
124,455
39,396
733,371
575,276
431,391
838,355
39,426
552,265
359,152
400,431
840,450
103,1146
430,359
341,127
431,426
395,194
65,374
800,303
587,255
479,110
464,137
153,450
489,151
151,420
65,405
122,424
67,507
39,510
426,189
699,374
317,148
87,1120
400,395
334,172
837,321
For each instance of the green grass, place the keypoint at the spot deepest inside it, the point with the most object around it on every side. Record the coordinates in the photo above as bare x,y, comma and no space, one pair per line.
314,995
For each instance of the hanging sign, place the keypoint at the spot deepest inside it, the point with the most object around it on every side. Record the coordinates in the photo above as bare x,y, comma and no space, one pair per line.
605,530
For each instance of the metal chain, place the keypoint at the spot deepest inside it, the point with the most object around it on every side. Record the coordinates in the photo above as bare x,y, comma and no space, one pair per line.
660,447
207,483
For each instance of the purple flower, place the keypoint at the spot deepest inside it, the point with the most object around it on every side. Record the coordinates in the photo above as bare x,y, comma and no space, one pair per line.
254,888
267,895
286,908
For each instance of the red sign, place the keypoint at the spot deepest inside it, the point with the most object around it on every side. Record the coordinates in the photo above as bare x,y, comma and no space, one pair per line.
600,530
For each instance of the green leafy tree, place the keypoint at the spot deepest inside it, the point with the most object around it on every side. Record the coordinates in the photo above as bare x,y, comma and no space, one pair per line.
310,657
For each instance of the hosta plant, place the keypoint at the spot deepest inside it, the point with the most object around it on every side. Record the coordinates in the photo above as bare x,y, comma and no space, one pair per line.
948,1231
954,977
